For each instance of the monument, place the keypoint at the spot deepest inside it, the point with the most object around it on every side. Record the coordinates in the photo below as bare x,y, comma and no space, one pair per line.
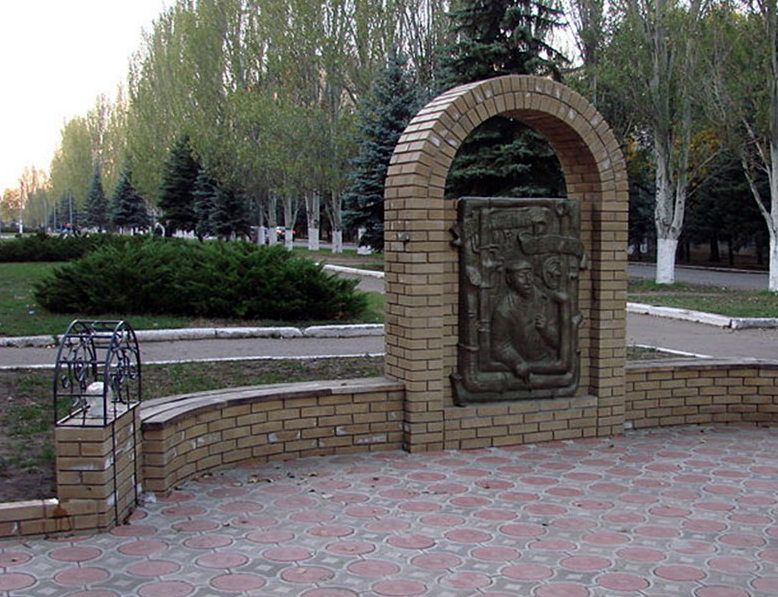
515,333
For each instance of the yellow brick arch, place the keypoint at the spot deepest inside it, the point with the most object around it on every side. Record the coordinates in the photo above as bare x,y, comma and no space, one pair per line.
421,266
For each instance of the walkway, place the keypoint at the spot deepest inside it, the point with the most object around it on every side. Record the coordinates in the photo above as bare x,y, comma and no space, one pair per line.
681,511
641,329
741,279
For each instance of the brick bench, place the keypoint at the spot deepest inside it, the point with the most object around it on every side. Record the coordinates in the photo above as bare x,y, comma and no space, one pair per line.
192,433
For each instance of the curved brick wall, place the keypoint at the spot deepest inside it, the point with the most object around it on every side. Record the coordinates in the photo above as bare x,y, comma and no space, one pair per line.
189,434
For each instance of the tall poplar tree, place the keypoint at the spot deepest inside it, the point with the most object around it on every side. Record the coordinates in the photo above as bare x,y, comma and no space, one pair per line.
495,38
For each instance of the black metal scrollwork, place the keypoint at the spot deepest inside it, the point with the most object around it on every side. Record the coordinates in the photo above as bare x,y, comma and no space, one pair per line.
97,374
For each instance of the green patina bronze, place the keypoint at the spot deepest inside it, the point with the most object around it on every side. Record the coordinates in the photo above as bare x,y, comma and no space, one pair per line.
519,263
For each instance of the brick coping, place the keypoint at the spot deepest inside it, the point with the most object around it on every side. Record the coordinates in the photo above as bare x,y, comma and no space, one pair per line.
707,364
159,412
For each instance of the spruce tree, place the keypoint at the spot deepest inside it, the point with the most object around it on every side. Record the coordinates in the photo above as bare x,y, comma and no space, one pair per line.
205,191
496,38
96,207
230,217
383,115
128,209
176,198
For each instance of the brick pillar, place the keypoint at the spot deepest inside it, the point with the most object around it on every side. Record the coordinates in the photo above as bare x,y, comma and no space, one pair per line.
98,469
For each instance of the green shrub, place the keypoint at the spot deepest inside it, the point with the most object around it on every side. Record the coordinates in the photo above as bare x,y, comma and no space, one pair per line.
41,247
214,279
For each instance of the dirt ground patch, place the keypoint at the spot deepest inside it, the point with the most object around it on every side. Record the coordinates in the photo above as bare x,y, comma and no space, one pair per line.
26,439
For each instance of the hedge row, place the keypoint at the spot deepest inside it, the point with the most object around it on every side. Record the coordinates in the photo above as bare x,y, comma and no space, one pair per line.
214,279
41,247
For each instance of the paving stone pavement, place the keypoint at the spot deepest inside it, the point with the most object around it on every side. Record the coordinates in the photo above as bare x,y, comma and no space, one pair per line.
678,511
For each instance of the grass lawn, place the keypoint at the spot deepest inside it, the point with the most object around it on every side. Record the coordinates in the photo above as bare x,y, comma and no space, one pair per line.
724,301
348,257
20,315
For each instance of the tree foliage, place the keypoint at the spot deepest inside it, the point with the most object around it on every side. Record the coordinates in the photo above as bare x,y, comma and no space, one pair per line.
503,156
176,199
384,114
128,209
96,207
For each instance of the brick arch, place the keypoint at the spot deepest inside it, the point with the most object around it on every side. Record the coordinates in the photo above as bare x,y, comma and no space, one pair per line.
422,278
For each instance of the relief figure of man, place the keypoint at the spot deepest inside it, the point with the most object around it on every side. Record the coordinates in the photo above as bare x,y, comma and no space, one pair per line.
522,331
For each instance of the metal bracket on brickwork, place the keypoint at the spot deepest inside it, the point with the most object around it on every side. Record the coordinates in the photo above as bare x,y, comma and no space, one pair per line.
97,388
97,376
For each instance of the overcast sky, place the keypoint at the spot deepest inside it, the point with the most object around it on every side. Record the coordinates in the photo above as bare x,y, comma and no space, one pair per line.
56,56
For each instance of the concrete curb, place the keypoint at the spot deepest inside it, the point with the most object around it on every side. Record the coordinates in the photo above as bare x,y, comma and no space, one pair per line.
316,331
722,321
28,341
342,269
344,331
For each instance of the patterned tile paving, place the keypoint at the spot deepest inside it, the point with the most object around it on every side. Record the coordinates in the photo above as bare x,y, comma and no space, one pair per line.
681,511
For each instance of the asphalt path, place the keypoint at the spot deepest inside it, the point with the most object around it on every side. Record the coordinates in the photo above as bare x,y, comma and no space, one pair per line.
741,279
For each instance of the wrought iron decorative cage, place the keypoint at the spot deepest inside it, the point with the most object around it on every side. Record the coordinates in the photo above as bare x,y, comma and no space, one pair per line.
97,376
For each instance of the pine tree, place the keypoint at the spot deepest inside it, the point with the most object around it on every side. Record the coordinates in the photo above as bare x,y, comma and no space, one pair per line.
496,38
383,115
128,209
176,193
96,207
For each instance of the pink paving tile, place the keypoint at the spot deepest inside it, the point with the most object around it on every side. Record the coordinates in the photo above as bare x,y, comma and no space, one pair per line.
351,548
527,572
437,561
221,560
496,553
586,563
413,541
373,568
153,568
720,591
561,589
240,582
465,581
79,577
142,547
287,554
399,588
306,574
16,558
622,582
680,573
76,553
14,581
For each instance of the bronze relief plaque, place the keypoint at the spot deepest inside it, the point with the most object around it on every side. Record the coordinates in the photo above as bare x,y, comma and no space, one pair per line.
519,263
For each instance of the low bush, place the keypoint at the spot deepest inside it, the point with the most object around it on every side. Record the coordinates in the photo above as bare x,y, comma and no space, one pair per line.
214,280
41,247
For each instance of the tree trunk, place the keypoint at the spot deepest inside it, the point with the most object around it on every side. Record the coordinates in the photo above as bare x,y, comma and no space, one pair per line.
337,240
290,217
313,211
772,284
714,256
272,221
335,215
665,260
